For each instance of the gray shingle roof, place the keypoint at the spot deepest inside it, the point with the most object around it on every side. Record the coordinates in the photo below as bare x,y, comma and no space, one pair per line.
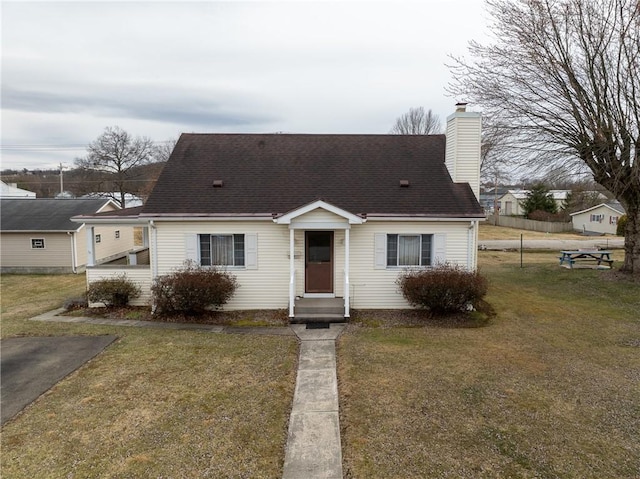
44,214
277,173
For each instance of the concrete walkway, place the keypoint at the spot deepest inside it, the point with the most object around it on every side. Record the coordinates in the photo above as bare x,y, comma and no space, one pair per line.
313,443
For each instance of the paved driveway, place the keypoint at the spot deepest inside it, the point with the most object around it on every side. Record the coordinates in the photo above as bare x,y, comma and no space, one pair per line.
30,366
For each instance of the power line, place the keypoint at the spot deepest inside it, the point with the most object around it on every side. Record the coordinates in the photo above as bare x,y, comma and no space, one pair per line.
57,147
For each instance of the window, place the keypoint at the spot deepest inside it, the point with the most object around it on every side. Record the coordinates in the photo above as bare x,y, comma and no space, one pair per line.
222,250
409,250
117,234
37,243
613,220
98,238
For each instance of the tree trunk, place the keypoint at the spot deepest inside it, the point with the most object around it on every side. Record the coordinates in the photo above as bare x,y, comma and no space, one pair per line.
632,241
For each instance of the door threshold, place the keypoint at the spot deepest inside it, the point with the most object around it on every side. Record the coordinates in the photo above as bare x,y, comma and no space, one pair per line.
319,295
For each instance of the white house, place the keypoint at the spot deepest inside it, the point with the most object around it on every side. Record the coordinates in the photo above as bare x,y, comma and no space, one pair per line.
602,218
511,202
38,236
311,216
11,190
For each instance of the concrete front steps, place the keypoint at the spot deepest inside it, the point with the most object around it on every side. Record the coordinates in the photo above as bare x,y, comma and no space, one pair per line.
318,310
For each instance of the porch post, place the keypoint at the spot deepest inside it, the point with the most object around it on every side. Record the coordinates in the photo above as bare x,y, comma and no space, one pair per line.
91,249
346,273
292,272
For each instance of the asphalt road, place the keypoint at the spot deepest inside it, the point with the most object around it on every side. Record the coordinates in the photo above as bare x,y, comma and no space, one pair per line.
598,242
30,366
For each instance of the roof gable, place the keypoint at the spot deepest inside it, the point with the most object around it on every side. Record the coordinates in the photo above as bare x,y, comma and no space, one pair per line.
276,174
615,207
287,218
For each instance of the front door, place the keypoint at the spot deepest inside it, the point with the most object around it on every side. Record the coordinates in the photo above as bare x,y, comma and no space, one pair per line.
318,261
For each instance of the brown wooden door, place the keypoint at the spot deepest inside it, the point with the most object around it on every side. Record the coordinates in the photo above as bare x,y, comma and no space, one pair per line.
318,261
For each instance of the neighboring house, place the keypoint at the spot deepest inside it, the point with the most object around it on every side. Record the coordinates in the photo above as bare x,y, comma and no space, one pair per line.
11,190
489,198
38,236
511,202
602,218
312,216
130,200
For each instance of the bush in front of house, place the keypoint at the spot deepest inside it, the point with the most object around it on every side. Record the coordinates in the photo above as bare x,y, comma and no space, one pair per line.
193,290
444,289
113,291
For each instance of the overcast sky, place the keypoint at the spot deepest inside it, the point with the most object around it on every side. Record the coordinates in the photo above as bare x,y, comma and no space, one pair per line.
158,69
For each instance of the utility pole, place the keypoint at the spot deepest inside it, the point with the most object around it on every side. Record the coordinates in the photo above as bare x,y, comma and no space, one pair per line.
61,181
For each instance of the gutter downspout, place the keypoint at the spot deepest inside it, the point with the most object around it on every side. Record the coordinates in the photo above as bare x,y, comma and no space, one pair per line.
471,251
153,257
292,273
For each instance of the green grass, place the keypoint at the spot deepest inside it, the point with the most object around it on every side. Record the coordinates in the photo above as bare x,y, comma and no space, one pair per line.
550,388
157,403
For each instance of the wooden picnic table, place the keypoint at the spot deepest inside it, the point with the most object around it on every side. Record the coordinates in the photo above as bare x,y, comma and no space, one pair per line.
596,256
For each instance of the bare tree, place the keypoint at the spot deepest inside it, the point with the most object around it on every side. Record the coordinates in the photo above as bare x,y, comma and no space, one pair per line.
561,78
417,122
164,149
117,154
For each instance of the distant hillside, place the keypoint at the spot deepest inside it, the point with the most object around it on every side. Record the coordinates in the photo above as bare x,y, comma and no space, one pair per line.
46,183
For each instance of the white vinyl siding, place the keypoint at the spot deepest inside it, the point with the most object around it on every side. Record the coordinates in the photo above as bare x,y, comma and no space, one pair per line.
463,149
17,251
263,282
267,286
600,220
372,282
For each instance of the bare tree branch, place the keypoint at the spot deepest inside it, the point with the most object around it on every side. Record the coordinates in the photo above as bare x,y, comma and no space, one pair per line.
117,154
561,81
417,122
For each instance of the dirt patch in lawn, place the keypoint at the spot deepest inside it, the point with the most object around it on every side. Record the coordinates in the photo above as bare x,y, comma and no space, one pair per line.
259,318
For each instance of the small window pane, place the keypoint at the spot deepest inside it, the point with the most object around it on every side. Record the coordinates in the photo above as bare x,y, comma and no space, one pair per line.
37,243
409,250
238,250
205,250
392,250
222,250
426,250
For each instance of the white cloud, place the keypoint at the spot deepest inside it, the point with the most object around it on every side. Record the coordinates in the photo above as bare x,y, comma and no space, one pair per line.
159,68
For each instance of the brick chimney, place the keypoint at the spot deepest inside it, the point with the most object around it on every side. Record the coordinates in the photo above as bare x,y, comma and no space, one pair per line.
462,156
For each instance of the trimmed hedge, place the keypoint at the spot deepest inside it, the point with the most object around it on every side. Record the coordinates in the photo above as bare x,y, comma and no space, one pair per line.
193,290
113,292
444,289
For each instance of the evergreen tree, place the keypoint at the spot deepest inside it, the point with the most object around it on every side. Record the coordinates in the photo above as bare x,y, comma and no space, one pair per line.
539,199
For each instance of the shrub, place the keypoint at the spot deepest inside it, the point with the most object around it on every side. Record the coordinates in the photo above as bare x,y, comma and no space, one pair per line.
193,289
444,289
622,224
76,303
113,292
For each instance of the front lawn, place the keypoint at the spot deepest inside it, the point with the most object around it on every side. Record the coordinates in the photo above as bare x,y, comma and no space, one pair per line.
157,403
550,388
